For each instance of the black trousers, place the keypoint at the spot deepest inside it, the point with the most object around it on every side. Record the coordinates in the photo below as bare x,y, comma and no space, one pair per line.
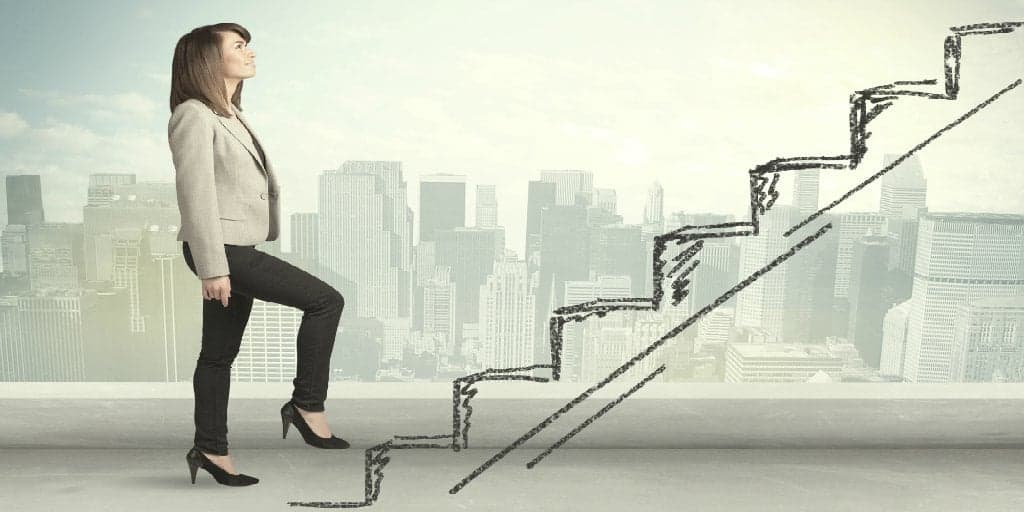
256,274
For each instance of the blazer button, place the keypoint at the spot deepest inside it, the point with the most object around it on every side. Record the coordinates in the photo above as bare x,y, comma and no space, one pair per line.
263,195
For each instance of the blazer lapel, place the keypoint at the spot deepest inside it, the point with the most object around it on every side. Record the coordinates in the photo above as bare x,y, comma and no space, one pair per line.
242,139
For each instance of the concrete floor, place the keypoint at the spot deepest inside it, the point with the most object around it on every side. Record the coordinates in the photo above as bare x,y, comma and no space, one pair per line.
646,454
760,480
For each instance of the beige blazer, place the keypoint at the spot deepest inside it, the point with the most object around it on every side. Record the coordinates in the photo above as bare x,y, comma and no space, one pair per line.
225,194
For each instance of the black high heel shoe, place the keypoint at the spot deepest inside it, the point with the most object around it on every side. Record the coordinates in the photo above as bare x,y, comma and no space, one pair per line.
197,460
291,415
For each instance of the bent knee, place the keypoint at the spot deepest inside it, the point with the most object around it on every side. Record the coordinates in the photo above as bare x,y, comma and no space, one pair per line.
334,300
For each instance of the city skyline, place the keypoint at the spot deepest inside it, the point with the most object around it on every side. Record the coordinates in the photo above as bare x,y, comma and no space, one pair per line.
790,313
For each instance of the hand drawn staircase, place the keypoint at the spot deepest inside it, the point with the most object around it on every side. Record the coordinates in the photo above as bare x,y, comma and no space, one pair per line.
670,287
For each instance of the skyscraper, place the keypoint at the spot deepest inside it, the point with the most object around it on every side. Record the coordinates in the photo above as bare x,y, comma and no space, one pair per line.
471,253
363,235
904,188
869,296
961,257
540,194
486,206
615,250
852,226
564,256
442,204
894,340
761,303
506,316
805,190
24,199
571,187
305,237
654,208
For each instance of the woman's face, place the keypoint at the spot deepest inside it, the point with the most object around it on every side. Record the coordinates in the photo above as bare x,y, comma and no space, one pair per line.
238,60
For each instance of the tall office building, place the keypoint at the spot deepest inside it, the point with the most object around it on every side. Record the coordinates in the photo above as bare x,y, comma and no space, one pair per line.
870,296
616,250
894,340
717,272
988,341
654,209
852,226
439,296
564,256
805,190
571,187
305,237
903,232
761,303
24,199
506,316
364,235
904,188
471,253
442,204
486,206
539,195
653,225
961,257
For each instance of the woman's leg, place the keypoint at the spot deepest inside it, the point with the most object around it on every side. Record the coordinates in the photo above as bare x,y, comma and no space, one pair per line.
255,273
222,332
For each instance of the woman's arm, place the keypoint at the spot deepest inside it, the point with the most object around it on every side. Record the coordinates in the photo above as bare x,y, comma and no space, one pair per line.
190,134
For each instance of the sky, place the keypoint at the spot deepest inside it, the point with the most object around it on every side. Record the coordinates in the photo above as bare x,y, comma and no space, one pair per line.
689,94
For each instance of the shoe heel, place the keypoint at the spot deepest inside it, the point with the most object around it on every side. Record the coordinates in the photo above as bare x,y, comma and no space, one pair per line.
193,467
286,420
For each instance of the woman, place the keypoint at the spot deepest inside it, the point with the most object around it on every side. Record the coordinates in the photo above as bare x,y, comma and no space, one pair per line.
228,200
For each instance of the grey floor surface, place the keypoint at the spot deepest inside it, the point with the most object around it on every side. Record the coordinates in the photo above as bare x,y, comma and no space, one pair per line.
652,454
573,479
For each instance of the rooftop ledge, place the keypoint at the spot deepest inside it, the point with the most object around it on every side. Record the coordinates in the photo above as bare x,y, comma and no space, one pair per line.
527,390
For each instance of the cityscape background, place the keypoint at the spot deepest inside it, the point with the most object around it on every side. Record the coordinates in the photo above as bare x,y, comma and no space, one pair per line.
454,224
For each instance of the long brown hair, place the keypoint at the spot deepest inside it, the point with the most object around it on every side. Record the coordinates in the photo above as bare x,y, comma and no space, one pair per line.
196,68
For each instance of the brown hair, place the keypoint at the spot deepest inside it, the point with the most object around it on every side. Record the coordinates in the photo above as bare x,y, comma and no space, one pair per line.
196,68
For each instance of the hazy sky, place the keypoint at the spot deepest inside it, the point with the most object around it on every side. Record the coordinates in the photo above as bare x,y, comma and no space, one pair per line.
689,94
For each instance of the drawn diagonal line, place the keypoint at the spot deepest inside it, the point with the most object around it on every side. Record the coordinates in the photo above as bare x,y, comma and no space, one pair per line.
904,156
593,418
689,321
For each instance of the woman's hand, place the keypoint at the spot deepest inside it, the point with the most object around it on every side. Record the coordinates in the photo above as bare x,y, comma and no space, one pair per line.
217,288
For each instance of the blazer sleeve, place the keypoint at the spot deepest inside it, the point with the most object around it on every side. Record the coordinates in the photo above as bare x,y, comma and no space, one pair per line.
190,135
